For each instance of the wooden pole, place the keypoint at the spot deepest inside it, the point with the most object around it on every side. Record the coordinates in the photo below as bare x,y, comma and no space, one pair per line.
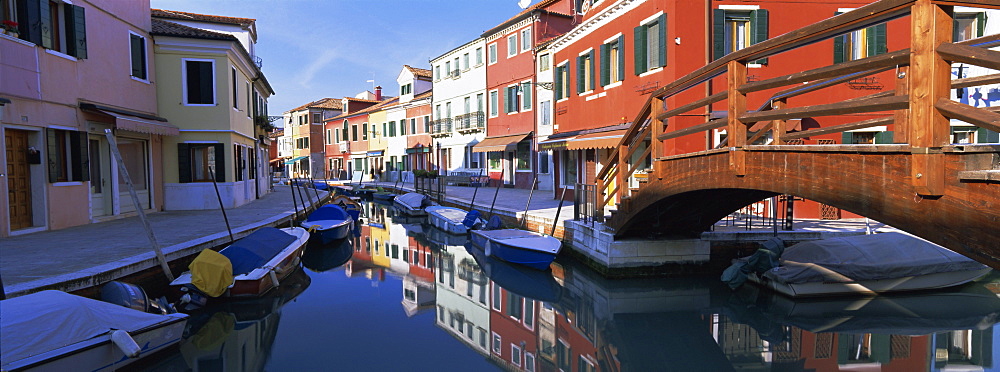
302,197
555,222
736,131
472,204
499,184
295,204
211,173
138,207
524,216
929,81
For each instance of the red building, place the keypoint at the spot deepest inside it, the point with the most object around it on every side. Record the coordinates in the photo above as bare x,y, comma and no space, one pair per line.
510,72
514,328
418,139
346,142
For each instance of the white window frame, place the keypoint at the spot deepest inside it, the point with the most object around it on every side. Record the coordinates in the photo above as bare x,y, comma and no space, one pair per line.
512,40
479,56
526,105
145,48
494,103
496,343
526,39
529,362
184,89
492,54
516,351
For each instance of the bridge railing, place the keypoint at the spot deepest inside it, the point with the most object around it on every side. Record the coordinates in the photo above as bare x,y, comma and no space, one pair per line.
918,104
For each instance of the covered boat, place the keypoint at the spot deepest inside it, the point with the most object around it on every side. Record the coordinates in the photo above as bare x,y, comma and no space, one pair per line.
329,222
249,267
524,281
522,247
411,203
867,264
453,220
57,331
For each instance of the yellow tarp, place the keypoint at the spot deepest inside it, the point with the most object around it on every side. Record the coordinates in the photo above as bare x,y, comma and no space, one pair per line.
211,272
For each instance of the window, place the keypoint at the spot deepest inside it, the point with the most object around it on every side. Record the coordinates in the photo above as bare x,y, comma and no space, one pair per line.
468,105
317,117
543,162
437,72
515,355
406,89
465,61
585,365
969,26
344,129
327,137
510,99
482,337
494,159
413,125
392,129
858,44
512,45
612,62
68,157
447,69
650,45
496,343
137,45
526,96
196,160
562,81
479,56
447,110
737,29
546,112
569,168
529,313
585,72
457,68
236,101
523,155
493,53
529,362
479,102
472,158
493,103
526,39
336,135
402,127
427,124
247,109
199,82
544,62
364,131
51,24
354,132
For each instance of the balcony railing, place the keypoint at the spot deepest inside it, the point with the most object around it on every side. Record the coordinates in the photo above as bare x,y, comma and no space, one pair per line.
441,127
471,122
454,73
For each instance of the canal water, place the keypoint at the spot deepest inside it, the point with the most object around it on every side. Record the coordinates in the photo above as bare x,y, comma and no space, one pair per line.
404,296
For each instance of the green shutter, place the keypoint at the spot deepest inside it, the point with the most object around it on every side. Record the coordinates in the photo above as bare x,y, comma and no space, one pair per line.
718,33
984,135
875,40
879,348
592,72
506,100
621,58
76,31
79,156
838,48
526,96
640,49
883,137
605,65
220,162
183,163
663,40
45,19
559,82
136,46
579,75
847,138
53,148
981,24
758,29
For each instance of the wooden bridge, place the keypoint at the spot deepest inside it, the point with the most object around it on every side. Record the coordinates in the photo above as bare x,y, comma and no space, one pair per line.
920,182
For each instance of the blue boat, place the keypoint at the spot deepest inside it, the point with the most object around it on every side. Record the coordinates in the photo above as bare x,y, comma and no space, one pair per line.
534,284
522,247
330,222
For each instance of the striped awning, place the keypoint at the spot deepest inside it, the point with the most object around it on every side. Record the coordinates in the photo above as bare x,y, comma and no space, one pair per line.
602,140
500,143
135,121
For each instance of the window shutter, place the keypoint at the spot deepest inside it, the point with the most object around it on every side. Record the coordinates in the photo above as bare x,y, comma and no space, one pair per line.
875,40
758,29
847,138
559,82
593,74
663,40
220,162
506,101
883,137
183,163
621,58
50,141
207,76
984,135
640,49
45,18
80,157
605,65
718,33
981,24
76,31
525,96
579,75
137,55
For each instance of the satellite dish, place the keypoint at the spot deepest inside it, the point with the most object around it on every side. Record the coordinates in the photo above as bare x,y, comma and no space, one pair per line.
523,3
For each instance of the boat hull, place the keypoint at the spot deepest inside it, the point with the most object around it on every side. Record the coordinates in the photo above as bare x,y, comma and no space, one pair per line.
439,218
529,249
871,287
328,231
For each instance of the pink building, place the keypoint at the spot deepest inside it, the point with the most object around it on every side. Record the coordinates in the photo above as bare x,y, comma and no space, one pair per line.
60,91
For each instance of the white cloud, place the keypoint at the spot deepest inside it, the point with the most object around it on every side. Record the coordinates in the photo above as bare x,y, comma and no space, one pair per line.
305,77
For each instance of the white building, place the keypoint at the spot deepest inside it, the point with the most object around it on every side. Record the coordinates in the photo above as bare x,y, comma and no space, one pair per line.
459,106
544,96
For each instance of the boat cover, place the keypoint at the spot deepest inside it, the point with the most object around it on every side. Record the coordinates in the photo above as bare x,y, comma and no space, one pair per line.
254,250
866,257
211,272
411,199
453,215
328,212
48,320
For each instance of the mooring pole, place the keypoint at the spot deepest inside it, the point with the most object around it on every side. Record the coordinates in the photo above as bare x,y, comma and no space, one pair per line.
555,222
472,204
499,184
138,207
524,216
211,173
295,204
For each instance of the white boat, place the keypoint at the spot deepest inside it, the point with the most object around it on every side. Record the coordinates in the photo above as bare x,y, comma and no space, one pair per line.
867,264
57,331
522,247
452,220
411,203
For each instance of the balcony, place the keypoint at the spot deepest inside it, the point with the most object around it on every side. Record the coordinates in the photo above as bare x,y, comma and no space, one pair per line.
441,127
471,122
454,74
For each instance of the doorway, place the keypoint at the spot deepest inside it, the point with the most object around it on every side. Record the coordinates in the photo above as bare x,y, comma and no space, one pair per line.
100,172
18,178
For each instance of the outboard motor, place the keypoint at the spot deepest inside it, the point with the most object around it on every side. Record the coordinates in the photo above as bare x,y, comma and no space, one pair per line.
134,297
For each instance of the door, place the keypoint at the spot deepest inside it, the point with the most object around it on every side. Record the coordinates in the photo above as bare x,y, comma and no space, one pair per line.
18,178
134,155
509,174
100,169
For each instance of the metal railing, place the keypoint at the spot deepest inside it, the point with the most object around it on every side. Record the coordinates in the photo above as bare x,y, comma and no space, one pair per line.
441,126
473,121
585,204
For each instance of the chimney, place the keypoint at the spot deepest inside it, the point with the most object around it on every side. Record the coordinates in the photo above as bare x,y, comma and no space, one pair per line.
378,93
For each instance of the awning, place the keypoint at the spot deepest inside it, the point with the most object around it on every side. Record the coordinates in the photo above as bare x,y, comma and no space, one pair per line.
602,140
135,121
4,101
376,153
275,160
554,144
418,150
295,159
501,143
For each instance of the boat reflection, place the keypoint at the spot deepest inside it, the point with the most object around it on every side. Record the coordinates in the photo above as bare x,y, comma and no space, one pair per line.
319,257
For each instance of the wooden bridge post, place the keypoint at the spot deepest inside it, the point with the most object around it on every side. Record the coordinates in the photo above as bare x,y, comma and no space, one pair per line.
929,80
656,108
778,126
736,131
901,118
622,182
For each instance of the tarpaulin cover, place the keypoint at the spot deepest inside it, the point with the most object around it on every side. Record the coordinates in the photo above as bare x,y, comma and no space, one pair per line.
328,212
211,272
47,320
254,250
411,199
866,257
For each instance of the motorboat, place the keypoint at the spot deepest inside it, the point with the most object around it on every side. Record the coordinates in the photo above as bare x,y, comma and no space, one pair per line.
521,280
329,222
249,267
517,246
57,331
453,220
865,265
411,203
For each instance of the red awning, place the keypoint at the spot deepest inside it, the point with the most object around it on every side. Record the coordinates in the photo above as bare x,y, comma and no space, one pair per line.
602,140
500,143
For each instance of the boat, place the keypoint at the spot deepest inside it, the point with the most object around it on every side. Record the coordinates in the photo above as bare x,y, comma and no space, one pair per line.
382,195
453,220
249,267
441,240
527,282
522,247
411,203
866,265
329,222
57,331
319,258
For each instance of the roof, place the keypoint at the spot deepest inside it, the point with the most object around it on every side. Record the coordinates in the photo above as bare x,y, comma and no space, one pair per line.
185,16
323,103
419,72
524,13
424,94
165,28
388,102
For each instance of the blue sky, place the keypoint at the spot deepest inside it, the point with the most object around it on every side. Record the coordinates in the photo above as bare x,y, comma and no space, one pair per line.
328,48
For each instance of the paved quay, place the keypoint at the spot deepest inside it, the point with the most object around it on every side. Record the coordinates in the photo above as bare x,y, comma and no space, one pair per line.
88,255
